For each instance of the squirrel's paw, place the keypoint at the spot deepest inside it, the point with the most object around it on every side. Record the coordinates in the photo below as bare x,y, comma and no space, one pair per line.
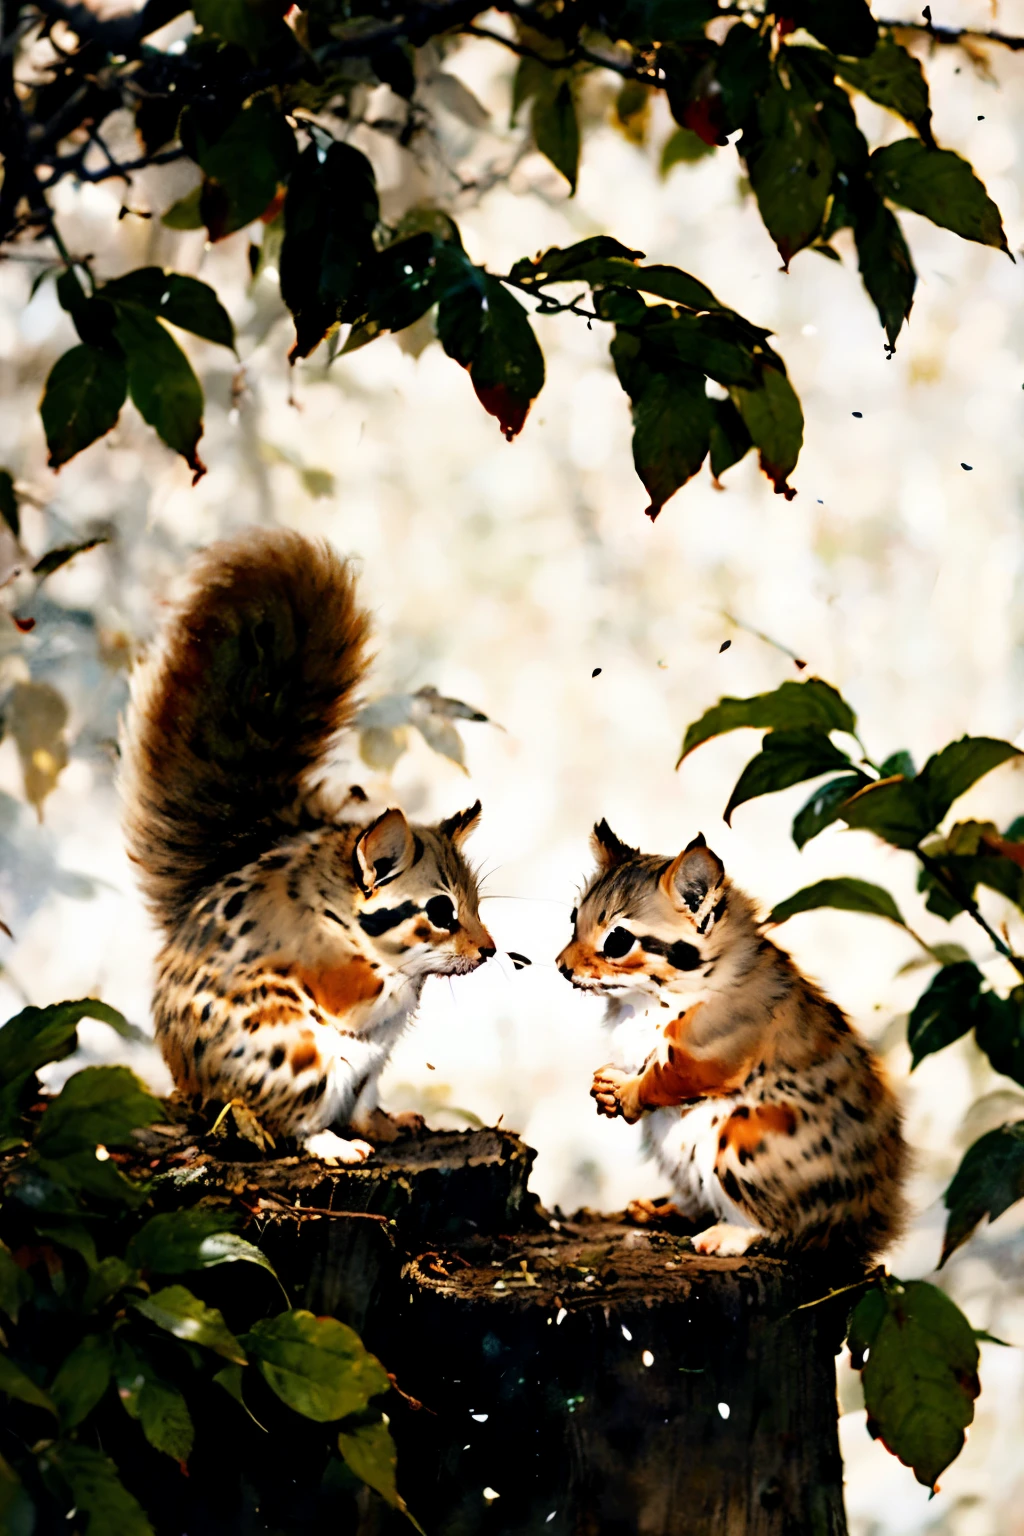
615,1093
725,1239
332,1148
384,1127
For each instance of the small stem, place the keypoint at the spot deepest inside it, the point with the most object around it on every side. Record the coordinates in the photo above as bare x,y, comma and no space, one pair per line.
955,888
546,304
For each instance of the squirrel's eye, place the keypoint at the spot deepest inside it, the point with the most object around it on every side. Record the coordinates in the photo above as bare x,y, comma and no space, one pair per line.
618,943
441,912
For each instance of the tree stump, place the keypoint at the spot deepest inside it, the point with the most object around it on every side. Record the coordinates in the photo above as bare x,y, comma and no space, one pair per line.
583,1377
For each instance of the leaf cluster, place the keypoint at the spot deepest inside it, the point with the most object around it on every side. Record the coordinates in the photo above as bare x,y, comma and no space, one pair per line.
114,1358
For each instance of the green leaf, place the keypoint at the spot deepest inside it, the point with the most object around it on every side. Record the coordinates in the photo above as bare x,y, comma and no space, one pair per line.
671,432
165,1419
893,809
98,1105
162,384
370,1452
254,25
989,1180
730,439
845,26
999,1031
15,1285
556,131
81,1173
316,1365
17,1511
940,185
683,147
177,1241
567,264
244,160
15,1383
9,503
775,421
330,214
109,1276
98,1493
945,1011
230,1378
825,806
810,705
898,762
187,212
885,262
919,1363
177,1311
844,893
951,772
37,1036
785,758
486,329
179,300
82,1379
82,400
657,21
790,163
894,78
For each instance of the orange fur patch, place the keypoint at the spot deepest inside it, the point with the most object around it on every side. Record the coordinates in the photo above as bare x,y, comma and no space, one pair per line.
676,1075
339,990
305,1053
745,1130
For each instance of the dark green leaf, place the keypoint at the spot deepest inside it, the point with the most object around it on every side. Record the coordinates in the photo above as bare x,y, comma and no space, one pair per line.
940,185
556,131
894,78
898,762
187,212
825,806
486,329
657,21
330,214
17,1511
893,809
845,26
989,1180
671,431
99,1105
999,1031
920,1374
36,1036
812,705
785,758
254,25
105,1507
15,1285
177,1241
790,163
108,1277
82,1379
82,400
370,1452
83,1173
773,417
230,1378
163,387
844,893
945,1011
177,299
243,158
316,1365
742,69
683,147
177,1311
885,263
730,439
951,772
567,264
9,503
55,558
15,1383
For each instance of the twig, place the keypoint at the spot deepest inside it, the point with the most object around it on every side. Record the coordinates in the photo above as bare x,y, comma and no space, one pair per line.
955,888
319,1210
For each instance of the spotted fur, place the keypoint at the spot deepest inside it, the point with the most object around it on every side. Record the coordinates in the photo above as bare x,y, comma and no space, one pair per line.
298,936
760,1102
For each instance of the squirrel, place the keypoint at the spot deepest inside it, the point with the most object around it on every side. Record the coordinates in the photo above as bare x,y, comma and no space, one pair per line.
296,939
761,1104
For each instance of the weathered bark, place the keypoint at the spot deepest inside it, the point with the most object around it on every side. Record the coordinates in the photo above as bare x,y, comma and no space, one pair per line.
599,1378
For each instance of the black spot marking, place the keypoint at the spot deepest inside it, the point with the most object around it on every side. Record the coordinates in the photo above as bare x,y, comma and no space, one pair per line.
276,1058
730,1185
234,906
276,861
376,923
334,918
247,927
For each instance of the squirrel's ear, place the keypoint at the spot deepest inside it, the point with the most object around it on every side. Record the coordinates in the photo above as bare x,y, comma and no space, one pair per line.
606,847
459,826
693,875
384,850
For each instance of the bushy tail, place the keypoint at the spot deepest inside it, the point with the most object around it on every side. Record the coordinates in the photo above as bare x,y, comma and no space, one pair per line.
241,700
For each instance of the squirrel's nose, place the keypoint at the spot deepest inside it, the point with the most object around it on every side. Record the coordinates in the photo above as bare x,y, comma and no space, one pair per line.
486,951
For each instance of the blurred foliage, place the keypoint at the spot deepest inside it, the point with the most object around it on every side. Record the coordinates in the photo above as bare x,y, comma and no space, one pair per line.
112,1367
916,1350
262,104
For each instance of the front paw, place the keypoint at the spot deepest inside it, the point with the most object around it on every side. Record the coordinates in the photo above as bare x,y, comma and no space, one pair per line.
409,1122
726,1239
380,1126
331,1148
615,1093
